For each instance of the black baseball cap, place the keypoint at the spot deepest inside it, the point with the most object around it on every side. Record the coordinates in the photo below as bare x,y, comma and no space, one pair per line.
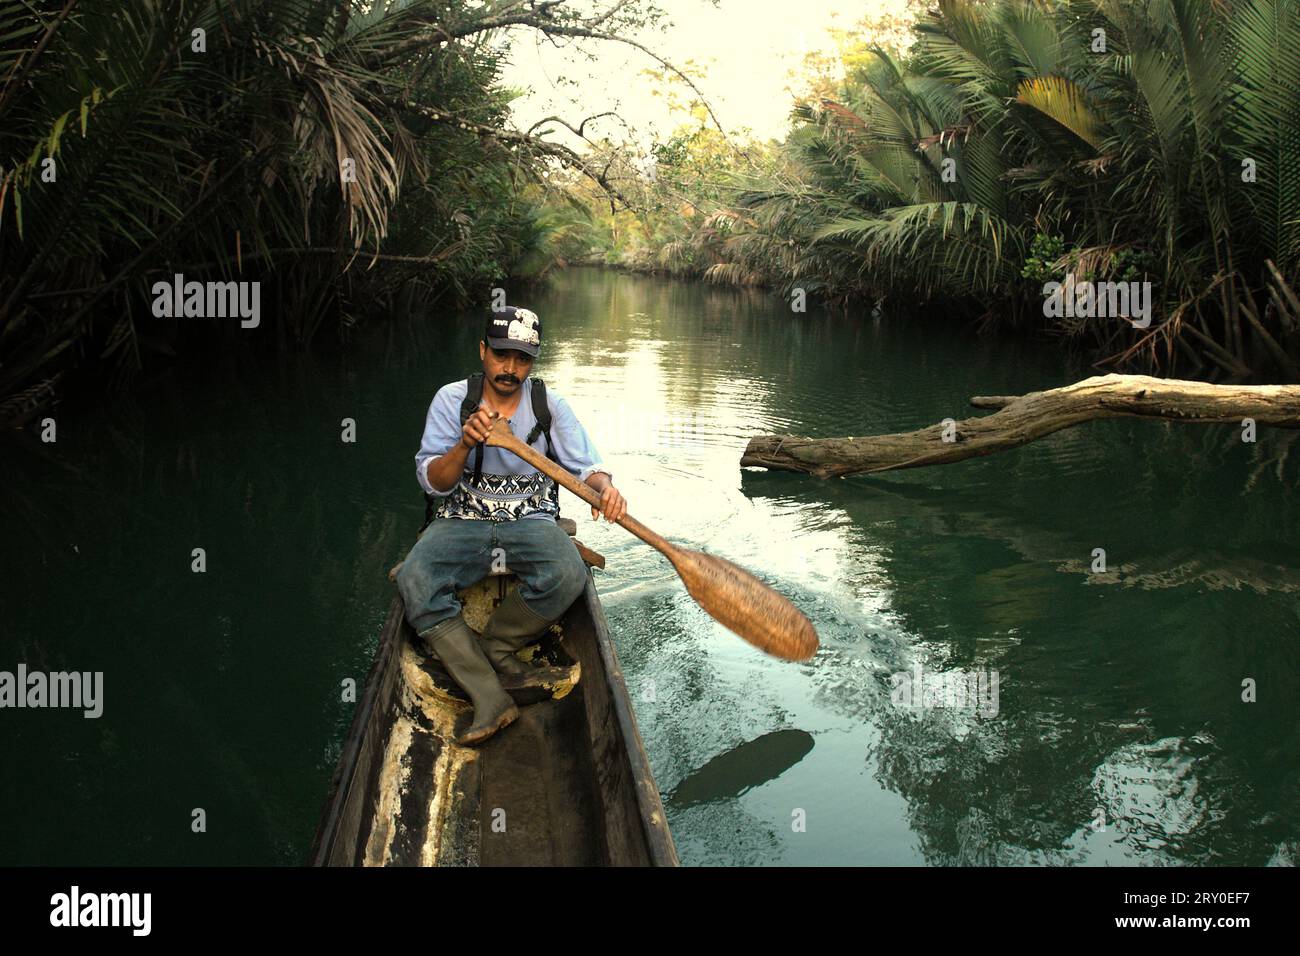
514,328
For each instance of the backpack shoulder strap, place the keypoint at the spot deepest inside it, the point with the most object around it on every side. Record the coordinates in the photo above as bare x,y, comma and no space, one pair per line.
468,406
541,412
473,396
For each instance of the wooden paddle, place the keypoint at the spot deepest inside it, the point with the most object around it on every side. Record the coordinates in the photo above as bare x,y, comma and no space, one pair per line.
733,596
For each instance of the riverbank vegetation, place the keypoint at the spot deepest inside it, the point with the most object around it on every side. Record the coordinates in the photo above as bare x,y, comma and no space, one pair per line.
358,157
1010,144
347,156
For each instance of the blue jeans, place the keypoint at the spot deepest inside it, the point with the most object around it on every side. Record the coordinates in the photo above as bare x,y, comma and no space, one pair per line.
454,553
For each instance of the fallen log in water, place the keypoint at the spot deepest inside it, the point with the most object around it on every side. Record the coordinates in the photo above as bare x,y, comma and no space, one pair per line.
1020,419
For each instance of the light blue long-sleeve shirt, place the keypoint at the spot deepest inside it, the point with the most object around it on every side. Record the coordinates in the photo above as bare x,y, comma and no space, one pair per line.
509,487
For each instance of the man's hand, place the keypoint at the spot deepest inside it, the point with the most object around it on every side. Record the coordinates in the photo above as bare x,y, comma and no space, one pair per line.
476,428
612,503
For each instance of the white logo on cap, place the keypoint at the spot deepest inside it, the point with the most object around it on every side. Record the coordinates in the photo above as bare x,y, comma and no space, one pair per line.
523,327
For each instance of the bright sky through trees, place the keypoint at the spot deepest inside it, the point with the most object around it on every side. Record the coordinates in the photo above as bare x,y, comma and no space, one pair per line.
750,51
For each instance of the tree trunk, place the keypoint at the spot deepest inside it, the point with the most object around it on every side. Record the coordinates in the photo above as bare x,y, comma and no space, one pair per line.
1022,418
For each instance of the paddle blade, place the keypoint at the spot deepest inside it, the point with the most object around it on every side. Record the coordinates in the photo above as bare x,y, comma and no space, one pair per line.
744,604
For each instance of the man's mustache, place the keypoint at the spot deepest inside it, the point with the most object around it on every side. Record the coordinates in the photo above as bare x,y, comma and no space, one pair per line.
507,379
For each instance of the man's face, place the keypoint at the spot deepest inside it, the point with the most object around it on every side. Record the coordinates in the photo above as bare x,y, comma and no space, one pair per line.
505,369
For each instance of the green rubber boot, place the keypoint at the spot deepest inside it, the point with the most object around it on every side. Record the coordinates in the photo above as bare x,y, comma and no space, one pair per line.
512,625
457,647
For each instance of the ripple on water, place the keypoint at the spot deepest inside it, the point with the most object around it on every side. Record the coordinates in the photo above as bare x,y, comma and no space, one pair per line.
1151,792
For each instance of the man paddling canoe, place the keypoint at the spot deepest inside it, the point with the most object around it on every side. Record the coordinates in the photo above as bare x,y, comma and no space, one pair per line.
491,506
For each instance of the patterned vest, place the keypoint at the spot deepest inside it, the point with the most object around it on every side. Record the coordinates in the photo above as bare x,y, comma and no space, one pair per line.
500,497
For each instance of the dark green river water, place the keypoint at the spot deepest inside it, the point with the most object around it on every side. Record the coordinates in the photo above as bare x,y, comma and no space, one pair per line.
1120,734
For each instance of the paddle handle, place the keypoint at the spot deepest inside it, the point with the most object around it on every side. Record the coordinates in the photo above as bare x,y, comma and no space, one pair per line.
502,437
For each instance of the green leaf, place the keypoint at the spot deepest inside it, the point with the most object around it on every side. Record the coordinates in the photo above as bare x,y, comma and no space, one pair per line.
1063,100
61,122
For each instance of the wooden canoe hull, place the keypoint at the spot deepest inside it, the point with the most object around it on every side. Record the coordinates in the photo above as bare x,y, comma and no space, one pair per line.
567,784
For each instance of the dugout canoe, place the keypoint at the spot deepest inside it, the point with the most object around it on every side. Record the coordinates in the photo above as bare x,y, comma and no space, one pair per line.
567,784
